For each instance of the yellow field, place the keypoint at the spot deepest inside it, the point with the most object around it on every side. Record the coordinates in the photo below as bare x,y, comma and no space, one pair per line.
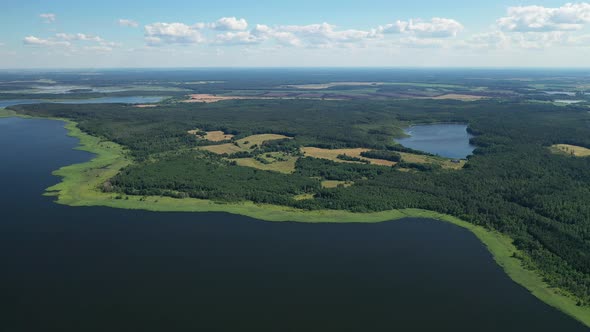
422,159
244,144
228,148
303,197
286,167
574,150
332,154
249,141
335,184
213,136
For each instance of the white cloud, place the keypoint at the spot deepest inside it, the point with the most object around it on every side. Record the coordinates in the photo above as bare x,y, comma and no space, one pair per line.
435,28
230,23
128,23
172,33
325,34
487,40
312,35
397,27
237,38
79,37
48,17
542,19
35,41
540,40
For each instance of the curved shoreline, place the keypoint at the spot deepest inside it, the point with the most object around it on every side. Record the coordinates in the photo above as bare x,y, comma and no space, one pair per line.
80,183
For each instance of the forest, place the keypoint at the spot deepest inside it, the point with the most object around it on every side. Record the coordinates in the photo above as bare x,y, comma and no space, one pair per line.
512,183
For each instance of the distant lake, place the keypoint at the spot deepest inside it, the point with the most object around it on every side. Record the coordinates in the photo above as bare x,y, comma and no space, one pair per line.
568,93
102,100
568,101
101,269
445,140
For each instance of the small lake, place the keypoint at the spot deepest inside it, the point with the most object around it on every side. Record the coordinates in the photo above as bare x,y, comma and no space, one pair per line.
568,101
101,100
100,269
567,93
445,140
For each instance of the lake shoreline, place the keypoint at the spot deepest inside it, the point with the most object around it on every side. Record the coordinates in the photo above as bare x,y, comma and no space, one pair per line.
80,183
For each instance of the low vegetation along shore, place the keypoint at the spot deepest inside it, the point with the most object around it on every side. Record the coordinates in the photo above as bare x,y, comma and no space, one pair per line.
81,185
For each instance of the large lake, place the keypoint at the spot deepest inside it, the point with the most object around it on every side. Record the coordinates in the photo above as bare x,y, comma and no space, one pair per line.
102,269
102,100
445,140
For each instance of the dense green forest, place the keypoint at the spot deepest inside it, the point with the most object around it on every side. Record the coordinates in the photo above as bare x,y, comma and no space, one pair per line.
512,183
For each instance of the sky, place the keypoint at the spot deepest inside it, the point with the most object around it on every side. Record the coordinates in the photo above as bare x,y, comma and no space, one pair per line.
302,33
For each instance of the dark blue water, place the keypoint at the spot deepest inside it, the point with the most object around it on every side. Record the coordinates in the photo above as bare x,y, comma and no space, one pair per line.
445,140
102,100
101,269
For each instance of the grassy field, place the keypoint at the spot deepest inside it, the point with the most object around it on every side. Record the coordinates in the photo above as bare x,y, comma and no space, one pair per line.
4,113
244,144
287,166
423,159
334,184
81,182
303,197
332,154
213,136
571,150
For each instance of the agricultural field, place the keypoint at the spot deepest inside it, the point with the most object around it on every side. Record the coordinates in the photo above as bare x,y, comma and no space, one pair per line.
212,136
572,150
332,154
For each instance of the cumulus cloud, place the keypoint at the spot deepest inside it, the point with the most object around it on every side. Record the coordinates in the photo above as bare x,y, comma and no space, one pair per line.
397,27
571,16
48,17
488,40
435,28
325,34
236,32
128,23
230,23
237,38
72,42
540,40
35,41
172,33
79,36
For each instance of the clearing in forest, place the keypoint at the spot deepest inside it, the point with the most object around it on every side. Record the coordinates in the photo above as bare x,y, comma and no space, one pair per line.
335,184
246,144
572,150
332,154
213,136
445,163
275,162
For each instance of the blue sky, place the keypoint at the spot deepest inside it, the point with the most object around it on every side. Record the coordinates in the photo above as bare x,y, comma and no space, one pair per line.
69,34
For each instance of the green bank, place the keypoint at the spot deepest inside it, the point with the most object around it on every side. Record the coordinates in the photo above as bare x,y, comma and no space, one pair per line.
81,186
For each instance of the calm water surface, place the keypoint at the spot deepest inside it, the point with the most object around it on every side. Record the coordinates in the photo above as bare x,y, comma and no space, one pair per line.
445,140
101,269
102,100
